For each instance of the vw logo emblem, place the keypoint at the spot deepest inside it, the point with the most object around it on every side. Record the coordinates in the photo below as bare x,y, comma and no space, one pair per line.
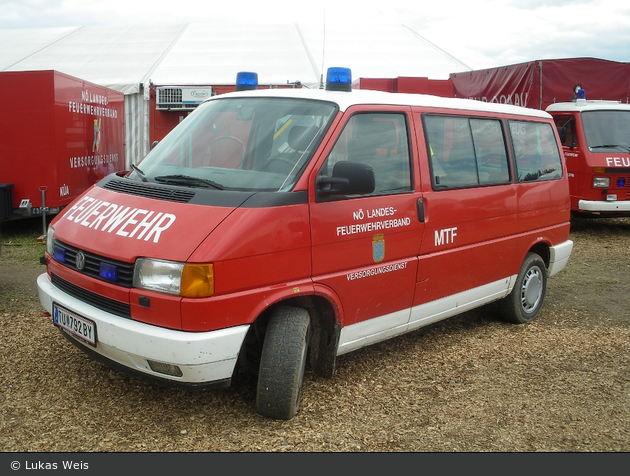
80,261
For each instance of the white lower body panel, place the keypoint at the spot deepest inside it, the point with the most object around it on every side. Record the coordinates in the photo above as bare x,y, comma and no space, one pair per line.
361,334
202,357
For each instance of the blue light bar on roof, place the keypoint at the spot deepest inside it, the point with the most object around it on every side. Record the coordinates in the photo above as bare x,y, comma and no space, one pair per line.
246,80
581,94
339,79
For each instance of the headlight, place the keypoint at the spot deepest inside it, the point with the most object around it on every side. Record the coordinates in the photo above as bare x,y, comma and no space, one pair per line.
182,279
601,182
50,235
56,252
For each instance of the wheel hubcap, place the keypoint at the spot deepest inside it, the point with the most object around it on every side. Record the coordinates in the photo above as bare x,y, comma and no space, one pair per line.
531,291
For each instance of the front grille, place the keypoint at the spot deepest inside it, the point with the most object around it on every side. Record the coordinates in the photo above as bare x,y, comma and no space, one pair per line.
147,190
92,265
103,303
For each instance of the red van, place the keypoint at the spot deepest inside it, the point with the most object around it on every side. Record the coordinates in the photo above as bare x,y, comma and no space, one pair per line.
595,137
274,230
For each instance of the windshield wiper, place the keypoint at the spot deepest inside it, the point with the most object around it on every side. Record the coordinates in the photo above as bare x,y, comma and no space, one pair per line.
140,173
611,146
188,181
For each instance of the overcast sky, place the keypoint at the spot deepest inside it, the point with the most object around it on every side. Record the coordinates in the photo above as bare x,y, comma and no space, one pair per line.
479,33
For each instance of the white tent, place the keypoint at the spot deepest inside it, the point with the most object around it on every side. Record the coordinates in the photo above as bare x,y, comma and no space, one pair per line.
128,58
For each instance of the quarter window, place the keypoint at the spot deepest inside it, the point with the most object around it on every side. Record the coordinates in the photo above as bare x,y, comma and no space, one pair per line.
535,151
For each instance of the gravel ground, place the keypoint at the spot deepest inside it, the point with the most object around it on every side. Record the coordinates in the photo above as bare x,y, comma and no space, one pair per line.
472,383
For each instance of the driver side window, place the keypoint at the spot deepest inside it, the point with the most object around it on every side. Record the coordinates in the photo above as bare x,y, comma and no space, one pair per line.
379,140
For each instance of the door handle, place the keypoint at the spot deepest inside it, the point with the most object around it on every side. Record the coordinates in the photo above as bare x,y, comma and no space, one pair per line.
420,208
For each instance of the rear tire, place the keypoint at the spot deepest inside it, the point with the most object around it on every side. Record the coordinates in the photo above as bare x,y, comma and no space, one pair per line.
523,304
282,363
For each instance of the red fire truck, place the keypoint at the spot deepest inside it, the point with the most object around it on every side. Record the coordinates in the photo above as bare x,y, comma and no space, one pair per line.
596,140
58,136
273,230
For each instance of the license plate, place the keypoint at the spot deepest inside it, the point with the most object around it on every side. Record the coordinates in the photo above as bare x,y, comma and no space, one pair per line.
80,327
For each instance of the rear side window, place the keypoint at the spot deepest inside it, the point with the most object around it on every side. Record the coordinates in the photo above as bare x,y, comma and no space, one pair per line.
466,152
535,151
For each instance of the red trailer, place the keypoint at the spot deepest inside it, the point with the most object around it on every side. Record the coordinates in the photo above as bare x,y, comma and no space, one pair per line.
537,84
58,136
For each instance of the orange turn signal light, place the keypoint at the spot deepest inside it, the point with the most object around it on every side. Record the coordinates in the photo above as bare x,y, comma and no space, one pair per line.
197,280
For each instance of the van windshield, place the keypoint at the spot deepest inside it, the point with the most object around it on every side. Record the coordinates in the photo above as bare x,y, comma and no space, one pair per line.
607,131
248,144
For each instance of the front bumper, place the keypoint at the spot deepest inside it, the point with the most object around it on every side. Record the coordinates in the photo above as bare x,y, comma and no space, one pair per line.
559,256
202,357
601,206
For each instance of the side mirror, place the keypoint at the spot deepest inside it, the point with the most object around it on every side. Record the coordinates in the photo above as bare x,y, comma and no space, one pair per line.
348,178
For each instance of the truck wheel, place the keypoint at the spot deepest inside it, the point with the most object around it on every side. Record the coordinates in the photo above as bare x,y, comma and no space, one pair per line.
523,304
282,363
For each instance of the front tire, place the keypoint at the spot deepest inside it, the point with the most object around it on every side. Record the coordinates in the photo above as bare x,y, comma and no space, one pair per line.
282,363
523,304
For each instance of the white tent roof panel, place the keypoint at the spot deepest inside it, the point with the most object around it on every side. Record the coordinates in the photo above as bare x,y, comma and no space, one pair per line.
19,44
384,51
123,57
213,54
116,57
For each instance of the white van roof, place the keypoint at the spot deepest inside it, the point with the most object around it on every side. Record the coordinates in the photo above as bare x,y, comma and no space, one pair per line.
364,96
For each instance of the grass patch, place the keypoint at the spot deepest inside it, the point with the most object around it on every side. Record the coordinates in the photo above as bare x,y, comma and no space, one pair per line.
22,240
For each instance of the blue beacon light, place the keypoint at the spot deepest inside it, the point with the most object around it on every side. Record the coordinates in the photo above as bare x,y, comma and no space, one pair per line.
108,271
60,254
246,80
338,79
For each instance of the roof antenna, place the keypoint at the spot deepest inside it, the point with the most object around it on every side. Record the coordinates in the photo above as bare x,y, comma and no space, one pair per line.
321,80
